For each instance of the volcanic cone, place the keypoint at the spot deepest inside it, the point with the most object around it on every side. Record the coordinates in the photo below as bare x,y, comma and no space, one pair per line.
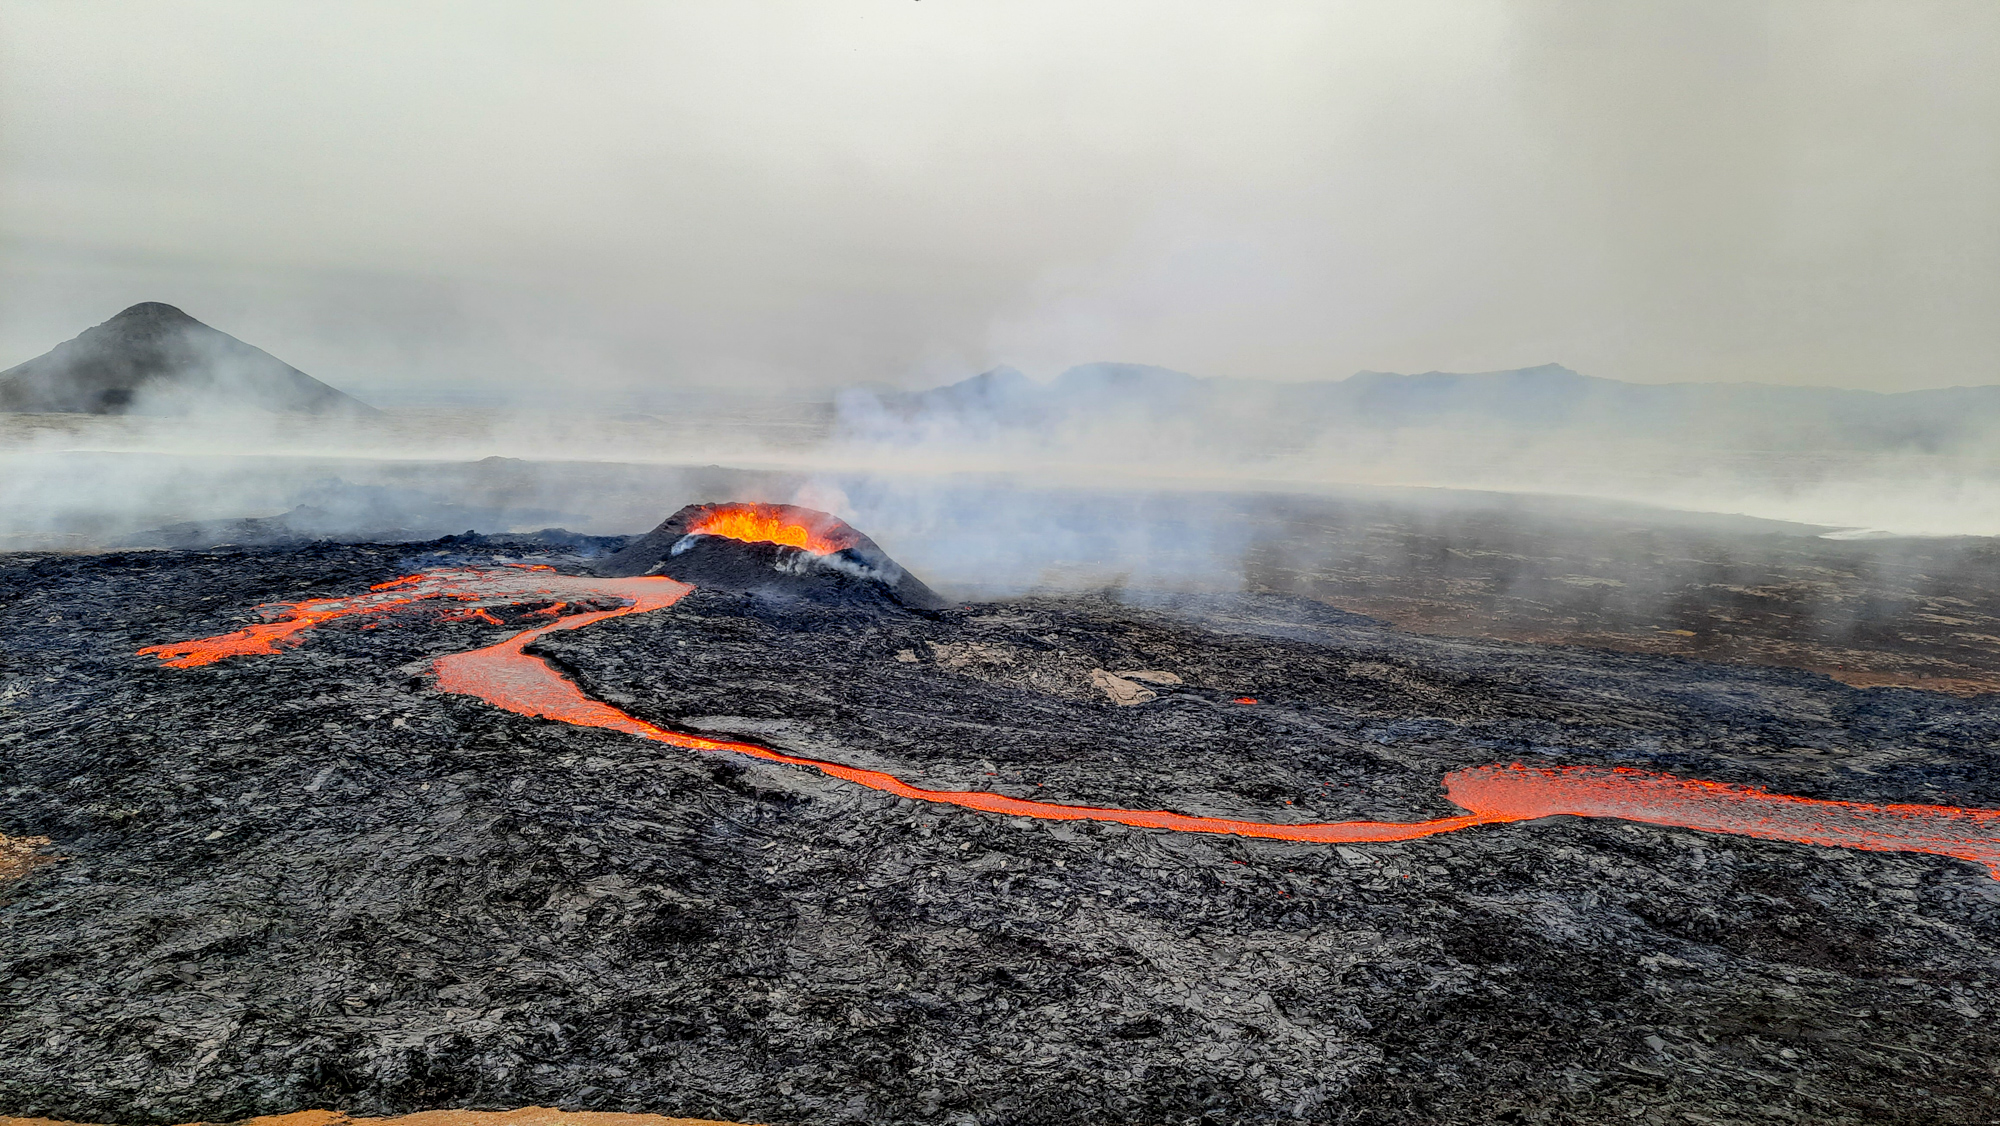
774,548
154,359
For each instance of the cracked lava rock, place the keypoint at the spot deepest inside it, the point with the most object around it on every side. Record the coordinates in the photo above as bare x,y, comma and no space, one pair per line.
312,879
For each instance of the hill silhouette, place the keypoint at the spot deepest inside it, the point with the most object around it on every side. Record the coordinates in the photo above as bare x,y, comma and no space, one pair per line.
154,359
1169,414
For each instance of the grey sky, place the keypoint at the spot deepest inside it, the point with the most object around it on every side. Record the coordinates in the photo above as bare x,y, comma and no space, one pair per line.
749,194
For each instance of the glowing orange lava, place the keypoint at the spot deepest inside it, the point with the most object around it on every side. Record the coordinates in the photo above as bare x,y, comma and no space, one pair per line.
763,523
474,589
506,677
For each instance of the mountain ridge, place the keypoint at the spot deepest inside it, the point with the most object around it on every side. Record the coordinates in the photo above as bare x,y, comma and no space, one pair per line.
152,358
1009,374
1543,398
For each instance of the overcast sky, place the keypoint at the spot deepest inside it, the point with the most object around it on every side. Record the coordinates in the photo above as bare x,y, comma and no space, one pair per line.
443,195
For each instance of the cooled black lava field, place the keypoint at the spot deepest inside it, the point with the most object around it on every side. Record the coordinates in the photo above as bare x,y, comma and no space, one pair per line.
312,880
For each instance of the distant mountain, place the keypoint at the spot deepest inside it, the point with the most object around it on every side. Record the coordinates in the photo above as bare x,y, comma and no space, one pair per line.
155,359
1545,401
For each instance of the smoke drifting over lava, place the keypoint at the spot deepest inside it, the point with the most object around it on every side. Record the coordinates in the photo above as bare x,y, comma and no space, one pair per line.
1270,703
1920,462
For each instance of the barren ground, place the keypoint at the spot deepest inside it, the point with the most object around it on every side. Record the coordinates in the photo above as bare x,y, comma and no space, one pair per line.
309,880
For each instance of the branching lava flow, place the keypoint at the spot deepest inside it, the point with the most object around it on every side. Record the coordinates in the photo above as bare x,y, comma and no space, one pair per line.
507,677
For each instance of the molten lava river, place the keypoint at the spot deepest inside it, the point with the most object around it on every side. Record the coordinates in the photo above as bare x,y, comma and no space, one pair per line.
507,677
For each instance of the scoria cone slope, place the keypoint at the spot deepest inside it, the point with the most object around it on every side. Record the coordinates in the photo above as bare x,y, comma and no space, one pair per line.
815,555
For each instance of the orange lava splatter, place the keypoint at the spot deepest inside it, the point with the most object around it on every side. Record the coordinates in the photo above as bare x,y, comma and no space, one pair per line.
764,523
482,614
506,677
1244,700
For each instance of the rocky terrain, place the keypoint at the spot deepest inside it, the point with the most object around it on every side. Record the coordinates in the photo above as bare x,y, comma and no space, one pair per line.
1919,612
311,880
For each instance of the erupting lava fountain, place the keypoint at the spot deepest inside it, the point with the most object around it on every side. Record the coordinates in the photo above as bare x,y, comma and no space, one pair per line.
769,547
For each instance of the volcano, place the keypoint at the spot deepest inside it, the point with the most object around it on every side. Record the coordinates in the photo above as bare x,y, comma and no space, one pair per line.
773,549
154,359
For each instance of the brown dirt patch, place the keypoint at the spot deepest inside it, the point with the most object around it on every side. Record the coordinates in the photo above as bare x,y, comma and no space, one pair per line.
20,856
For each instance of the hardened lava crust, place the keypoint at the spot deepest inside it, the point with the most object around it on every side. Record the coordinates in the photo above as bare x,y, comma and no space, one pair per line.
310,879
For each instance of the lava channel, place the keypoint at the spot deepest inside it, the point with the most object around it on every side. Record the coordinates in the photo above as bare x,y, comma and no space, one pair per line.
506,677
476,589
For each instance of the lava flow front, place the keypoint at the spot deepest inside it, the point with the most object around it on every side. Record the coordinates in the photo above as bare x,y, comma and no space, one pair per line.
507,677
474,589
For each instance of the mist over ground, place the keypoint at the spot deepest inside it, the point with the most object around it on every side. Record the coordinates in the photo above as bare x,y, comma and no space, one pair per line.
911,465
780,240
1922,462
499,198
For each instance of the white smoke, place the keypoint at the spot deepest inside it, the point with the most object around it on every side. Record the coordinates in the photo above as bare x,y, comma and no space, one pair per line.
1924,463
